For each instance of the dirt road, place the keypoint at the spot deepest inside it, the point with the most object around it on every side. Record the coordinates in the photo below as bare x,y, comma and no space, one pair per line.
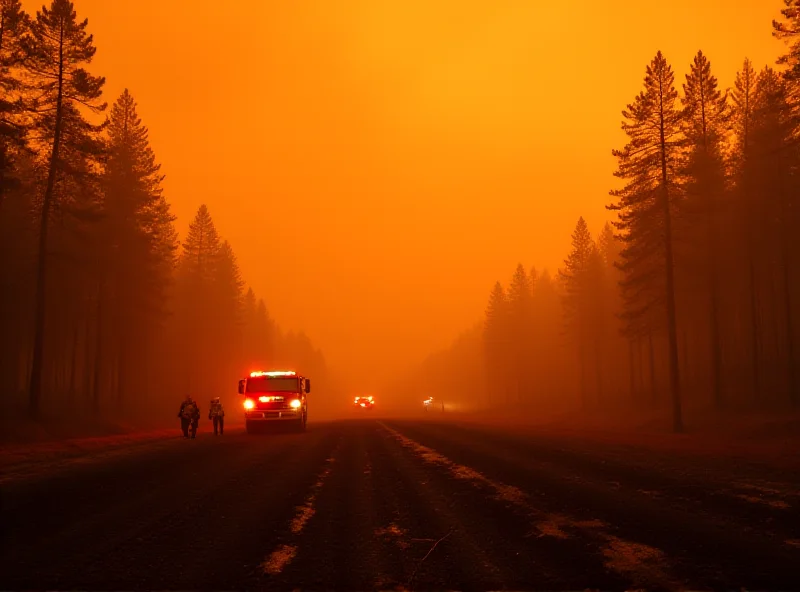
399,505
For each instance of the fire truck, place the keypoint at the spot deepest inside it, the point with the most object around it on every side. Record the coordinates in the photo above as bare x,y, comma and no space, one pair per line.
279,396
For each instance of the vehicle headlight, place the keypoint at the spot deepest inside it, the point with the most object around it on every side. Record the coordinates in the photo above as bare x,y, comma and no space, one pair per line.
248,404
295,403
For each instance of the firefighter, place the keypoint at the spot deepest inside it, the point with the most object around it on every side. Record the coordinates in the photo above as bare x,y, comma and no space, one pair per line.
190,416
217,414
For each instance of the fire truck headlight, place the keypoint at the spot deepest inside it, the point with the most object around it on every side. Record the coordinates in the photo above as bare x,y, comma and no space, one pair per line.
248,404
295,403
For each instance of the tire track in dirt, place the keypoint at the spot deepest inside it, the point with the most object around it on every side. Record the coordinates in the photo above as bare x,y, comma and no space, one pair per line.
688,483
498,549
335,549
284,553
424,541
640,564
701,549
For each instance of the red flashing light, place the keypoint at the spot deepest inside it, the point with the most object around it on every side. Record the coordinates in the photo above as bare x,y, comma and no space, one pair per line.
259,373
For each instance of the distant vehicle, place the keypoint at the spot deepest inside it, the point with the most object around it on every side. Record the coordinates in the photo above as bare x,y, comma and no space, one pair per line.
364,402
428,402
278,396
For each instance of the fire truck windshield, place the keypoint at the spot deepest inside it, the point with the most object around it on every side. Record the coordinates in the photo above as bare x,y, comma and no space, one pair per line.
272,384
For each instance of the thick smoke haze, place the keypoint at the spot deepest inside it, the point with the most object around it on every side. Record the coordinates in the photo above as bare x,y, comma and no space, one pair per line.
398,199
375,166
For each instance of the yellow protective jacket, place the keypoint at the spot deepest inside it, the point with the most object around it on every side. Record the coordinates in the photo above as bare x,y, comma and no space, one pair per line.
216,410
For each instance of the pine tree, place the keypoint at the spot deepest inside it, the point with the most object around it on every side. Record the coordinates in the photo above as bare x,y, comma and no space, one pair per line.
743,99
608,246
596,283
609,249
496,340
55,52
548,324
520,295
532,332
782,107
706,125
744,102
249,304
226,302
580,281
201,248
573,275
133,183
17,289
788,30
228,279
775,160
14,23
139,236
249,336
75,247
268,335
546,297
195,298
649,164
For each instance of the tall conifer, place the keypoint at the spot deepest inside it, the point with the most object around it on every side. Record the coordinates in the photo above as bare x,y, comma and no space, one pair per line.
649,166
56,51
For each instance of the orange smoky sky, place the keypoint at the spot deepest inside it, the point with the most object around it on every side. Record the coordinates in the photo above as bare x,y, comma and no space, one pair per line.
377,165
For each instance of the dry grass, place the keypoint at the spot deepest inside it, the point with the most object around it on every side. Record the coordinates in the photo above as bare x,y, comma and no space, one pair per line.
46,443
772,440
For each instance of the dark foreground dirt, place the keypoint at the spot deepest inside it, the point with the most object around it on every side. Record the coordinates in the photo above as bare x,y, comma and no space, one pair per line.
399,505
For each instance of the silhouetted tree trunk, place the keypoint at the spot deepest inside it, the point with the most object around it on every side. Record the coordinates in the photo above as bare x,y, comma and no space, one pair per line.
632,369
706,123
787,306
685,358
598,352
73,371
122,373
716,347
583,372
56,50
88,353
672,323
640,365
652,360
755,332
653,124
99,359
41,268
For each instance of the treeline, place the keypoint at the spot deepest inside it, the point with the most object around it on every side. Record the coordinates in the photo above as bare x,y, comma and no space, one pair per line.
692,296
216,330
102,309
